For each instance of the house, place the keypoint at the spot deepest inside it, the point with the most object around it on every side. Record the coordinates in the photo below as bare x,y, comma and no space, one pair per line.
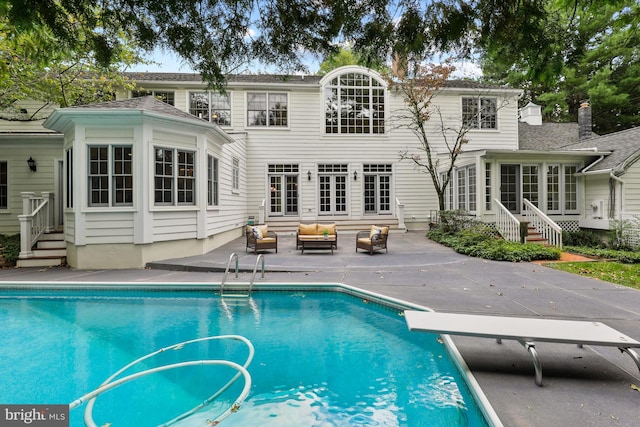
137,180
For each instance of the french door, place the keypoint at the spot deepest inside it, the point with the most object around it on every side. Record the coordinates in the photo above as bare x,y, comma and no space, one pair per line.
332,188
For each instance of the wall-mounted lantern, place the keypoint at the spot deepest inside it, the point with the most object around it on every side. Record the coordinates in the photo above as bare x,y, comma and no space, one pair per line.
308,175
355,175
32,164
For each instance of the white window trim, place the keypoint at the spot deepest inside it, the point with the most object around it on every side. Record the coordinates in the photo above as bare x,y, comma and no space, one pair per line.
267,126
327,84
110,206
478,99
6,208
174,205
209,93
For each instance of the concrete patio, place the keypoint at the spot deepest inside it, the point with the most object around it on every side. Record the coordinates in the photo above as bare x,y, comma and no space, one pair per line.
590,386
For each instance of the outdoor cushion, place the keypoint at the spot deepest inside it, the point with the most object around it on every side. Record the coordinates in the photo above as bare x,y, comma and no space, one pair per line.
307,229
259,231
330,228
378,230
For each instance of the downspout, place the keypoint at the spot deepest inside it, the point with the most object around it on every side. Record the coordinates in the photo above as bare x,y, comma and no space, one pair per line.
612,191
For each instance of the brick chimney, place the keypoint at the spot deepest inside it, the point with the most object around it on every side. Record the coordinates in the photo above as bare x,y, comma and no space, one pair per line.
584,121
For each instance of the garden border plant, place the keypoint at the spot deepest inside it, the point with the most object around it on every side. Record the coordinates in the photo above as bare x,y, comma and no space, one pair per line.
470,236
10,248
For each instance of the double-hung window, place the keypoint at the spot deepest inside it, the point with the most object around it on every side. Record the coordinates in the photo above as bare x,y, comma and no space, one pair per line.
211,106
488,201
480,113
466,188
213,190
562,189
354,104
168,97
267,109
235,174
174,177
69,177
530,190
4,185
110,175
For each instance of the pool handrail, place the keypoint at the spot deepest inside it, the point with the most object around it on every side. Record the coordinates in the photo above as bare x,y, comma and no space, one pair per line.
226,271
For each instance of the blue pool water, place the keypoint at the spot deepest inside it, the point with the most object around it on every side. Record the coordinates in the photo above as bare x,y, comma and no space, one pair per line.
321,359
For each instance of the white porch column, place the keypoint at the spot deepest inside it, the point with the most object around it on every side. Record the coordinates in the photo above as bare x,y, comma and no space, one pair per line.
26,223
400,215
50,214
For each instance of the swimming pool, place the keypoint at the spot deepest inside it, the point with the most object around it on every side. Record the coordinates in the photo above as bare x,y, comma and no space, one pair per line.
322,358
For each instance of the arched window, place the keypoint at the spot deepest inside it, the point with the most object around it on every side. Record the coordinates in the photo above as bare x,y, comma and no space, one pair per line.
354,104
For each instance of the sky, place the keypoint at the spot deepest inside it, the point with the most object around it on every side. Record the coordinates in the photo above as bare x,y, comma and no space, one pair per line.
168,62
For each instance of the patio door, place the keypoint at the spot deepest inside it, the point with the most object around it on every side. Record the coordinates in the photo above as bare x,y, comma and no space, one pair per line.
510,195
332,188
283,190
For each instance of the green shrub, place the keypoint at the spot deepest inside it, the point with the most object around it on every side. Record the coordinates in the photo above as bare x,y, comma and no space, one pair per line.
10,248
626,257
481,244
582,238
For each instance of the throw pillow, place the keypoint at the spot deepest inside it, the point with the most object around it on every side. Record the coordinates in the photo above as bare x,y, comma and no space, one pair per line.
257,233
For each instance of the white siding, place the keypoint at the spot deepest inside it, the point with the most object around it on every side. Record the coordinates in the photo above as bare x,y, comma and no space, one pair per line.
596,188
631,196
108,227
46,152
176,225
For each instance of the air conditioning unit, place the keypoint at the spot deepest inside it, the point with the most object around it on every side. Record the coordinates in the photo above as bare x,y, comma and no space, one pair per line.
597,209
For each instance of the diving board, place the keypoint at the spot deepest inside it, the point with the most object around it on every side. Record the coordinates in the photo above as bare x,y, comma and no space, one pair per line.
524,330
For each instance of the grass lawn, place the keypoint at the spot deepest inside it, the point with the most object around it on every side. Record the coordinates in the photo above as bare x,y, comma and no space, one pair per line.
614,272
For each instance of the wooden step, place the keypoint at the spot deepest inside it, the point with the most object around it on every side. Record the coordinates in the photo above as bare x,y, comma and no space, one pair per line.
50,250
41,261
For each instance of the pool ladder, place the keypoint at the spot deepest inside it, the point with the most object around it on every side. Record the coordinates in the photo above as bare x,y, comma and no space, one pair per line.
233,257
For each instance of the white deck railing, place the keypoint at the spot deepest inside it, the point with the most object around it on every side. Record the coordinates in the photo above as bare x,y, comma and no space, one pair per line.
551,231
36,219
507,225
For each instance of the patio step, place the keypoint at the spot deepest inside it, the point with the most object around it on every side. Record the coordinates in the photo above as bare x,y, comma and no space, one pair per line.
50,250
533,236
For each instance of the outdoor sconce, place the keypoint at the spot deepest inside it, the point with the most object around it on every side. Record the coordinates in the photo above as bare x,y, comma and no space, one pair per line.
308,175
355,175
32,164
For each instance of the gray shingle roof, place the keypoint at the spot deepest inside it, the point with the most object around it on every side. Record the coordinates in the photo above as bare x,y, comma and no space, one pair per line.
623,146
546,137
143,103
280,78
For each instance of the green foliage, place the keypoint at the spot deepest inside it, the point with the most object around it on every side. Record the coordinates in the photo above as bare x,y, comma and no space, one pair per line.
582,238
623,232
35,65
623,256
614,272
10,248
478,242
587,51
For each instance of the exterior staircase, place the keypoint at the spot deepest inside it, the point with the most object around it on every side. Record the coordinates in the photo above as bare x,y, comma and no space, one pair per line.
534,236
50,250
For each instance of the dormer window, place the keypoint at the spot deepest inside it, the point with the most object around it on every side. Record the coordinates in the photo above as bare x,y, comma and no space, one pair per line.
354,104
